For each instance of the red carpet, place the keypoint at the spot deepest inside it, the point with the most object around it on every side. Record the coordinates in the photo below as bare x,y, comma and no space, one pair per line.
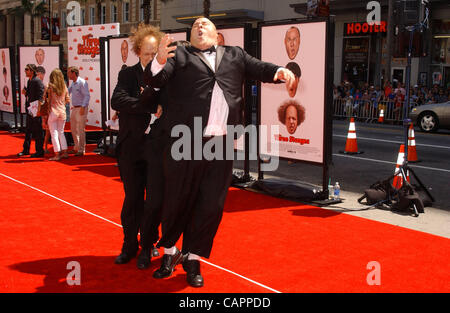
53,213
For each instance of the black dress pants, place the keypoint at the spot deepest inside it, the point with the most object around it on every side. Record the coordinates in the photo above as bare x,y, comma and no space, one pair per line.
34,131
151,217
132,168
194,197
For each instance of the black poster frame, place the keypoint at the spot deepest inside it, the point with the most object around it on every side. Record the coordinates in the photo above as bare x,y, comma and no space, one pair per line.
12,66
61,59
328,77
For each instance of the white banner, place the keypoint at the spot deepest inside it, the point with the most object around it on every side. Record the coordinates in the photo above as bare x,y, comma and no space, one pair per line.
6,96
84,52
46,56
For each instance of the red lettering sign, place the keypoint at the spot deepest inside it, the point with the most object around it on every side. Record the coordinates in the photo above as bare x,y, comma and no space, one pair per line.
90,46
358,28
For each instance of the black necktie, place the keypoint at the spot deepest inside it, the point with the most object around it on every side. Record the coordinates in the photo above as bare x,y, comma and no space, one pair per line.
210,50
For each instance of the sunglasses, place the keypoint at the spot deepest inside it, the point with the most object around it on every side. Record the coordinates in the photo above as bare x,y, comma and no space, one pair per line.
27,69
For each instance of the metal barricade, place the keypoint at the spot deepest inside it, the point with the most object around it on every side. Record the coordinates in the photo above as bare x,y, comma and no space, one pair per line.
368,111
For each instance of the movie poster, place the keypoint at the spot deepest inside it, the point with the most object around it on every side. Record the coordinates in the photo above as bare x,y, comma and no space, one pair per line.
178,35
46,56
299,112
6,82
84,52
118,61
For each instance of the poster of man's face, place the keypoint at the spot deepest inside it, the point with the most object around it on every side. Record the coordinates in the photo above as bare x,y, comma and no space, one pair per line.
291,114
297,111
45,56
292,42
6,82
40,56
117,63
124,51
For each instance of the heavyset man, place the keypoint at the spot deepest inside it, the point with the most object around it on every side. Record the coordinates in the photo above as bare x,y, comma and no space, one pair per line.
204,80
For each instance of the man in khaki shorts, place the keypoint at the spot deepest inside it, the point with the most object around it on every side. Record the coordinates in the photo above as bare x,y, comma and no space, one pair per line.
79,92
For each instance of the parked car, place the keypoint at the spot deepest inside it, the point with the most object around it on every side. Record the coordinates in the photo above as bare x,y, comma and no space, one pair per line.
431,117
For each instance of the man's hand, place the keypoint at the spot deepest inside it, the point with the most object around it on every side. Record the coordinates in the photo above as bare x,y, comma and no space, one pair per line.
24,91
82,110
159,111
285,75
164,51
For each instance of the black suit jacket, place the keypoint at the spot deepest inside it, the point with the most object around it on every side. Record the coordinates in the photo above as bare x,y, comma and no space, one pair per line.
34,91
189,80
134,108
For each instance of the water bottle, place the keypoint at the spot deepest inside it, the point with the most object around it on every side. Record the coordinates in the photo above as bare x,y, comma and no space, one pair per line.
337,191
330,192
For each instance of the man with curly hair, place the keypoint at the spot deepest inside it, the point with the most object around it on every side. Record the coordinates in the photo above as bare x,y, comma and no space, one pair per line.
291,114
137,154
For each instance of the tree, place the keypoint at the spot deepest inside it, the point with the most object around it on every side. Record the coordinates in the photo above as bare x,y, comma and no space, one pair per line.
29,8
206,8
147,6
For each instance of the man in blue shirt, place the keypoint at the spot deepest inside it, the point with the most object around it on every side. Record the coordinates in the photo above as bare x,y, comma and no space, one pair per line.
79,91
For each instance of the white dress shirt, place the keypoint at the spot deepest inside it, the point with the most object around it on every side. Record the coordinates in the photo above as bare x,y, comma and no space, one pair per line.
218,112
153,117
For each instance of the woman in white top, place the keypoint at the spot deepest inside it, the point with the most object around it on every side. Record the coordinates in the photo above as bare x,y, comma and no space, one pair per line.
58,97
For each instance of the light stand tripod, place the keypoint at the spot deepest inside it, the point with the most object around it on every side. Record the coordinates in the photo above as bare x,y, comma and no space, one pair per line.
404,168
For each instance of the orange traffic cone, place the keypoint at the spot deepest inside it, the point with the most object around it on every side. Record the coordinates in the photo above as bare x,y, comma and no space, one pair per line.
412,153
381,117
397,183
351,146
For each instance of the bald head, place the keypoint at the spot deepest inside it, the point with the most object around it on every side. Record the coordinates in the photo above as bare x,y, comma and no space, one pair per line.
203,33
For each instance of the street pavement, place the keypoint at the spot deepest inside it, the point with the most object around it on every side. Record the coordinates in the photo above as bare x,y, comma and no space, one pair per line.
380,146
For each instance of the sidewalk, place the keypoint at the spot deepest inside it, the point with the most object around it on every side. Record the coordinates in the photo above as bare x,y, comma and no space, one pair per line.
434,221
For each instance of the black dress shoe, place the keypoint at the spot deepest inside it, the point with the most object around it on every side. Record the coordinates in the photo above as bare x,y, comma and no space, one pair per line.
168,265
23,153
124,257
37,155
144,259
192,268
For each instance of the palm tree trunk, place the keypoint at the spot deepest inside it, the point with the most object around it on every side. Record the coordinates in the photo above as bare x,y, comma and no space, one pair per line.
206,7
32,30
147,6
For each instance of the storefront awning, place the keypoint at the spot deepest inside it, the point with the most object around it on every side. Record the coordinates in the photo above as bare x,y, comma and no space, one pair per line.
339,6
224,17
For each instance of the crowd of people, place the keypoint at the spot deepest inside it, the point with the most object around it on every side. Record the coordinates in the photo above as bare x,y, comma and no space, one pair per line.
46,112
357,98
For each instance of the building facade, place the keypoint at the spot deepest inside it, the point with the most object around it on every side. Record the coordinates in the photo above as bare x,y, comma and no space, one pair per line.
360,52
17,30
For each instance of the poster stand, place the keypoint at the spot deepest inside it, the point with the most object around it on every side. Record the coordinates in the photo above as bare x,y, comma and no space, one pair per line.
290,189
109,134
4,124
21,65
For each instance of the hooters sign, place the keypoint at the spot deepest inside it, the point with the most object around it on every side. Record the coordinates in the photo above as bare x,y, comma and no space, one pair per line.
364,28
84,52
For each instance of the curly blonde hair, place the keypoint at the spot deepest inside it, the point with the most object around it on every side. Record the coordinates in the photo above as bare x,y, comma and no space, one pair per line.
57,81
142,31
